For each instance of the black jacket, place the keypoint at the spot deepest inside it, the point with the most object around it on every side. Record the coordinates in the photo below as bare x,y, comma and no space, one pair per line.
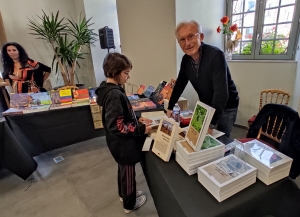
212,82
123,132
290,141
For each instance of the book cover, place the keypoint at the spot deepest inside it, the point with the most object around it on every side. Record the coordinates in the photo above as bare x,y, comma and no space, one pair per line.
149,91
81,94
163,94
199,124
141,90
265,154
92,95
55,99
165,138
19,100
142,104
39,108
39,99
226,169
132,97
172,84
209,142
157,96
65,96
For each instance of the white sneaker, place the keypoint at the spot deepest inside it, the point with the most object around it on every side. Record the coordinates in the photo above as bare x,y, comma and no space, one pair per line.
139,202
138,194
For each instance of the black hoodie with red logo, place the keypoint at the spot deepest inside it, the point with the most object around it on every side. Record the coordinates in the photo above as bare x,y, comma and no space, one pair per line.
123,132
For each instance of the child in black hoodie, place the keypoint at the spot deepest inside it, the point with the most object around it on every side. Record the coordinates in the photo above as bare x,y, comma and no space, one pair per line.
122,128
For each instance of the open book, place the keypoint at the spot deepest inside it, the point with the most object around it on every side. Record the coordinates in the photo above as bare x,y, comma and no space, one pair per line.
199,124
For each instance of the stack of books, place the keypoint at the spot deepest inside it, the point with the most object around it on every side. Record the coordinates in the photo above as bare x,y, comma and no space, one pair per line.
226,176
190,160
271,164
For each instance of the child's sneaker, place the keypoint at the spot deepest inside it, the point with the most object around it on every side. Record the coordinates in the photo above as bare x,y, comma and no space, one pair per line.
139,202
138,194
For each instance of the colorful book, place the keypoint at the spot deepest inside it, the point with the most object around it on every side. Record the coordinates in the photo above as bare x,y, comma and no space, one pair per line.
19,100
55,99
172,84
199,124
65,96
92,95
39,99
156,97
163,94
142,104
141,90
149,91
81,95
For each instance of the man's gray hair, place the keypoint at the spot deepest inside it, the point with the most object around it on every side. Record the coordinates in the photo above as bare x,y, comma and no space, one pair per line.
191,22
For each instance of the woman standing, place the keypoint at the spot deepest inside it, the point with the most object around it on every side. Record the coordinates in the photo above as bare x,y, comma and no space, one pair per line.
22,73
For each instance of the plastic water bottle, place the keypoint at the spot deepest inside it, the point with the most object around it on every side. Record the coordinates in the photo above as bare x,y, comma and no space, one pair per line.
176,113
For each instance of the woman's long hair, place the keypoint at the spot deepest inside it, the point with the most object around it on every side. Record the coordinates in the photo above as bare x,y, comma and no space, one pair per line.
8,63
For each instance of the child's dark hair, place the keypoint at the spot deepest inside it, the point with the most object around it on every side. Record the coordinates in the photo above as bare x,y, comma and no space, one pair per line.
114,64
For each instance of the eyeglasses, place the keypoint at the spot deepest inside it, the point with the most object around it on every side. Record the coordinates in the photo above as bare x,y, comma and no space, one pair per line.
189,39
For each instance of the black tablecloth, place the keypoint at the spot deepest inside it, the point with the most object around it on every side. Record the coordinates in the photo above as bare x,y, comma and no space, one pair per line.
44,131
175,193
12,154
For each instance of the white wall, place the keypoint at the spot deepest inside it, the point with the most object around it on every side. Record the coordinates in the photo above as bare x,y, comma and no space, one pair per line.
296,93
253,76
147,38
15,14
104,13
208,13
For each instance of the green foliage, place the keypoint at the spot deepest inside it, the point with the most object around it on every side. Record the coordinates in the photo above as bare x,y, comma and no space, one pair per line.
267,45
67,40
209,143
198,118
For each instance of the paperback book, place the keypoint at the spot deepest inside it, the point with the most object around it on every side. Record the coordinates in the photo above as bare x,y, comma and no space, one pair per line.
226,176
141,90
172,84
157,96
142,104
39,99
165,138
199,124
271,164
149,91
19,100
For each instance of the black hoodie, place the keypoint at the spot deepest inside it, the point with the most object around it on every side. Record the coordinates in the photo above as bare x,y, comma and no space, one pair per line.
123,132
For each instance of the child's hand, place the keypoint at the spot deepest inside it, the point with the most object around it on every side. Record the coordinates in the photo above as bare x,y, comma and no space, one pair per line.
148,129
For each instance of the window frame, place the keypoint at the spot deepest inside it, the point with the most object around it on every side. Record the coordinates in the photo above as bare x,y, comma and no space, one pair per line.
258,29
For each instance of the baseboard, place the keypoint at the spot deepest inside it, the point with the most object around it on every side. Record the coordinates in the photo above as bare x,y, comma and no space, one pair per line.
240,126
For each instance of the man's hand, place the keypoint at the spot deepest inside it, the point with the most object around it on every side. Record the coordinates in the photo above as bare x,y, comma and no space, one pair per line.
169,113
210,131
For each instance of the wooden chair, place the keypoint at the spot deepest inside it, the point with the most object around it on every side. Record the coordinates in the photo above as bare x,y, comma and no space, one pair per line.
271,96
278,126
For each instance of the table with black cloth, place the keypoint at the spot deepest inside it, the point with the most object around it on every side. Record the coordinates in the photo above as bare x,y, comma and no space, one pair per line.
44,131
176,194
13,156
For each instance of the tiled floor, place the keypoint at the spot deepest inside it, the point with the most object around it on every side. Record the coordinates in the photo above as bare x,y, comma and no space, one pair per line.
83,185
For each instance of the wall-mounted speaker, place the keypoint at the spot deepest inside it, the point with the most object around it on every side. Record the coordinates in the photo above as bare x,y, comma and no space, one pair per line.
106,36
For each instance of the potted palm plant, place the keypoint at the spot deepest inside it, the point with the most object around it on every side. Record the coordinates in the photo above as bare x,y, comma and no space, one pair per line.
67,40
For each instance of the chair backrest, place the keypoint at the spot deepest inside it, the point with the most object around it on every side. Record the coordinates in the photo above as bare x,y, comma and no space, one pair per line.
273,96
273,121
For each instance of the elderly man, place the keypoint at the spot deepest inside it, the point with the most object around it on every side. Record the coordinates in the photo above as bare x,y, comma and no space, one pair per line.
206,68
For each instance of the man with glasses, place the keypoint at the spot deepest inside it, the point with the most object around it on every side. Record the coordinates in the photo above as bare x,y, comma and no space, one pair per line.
206,68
